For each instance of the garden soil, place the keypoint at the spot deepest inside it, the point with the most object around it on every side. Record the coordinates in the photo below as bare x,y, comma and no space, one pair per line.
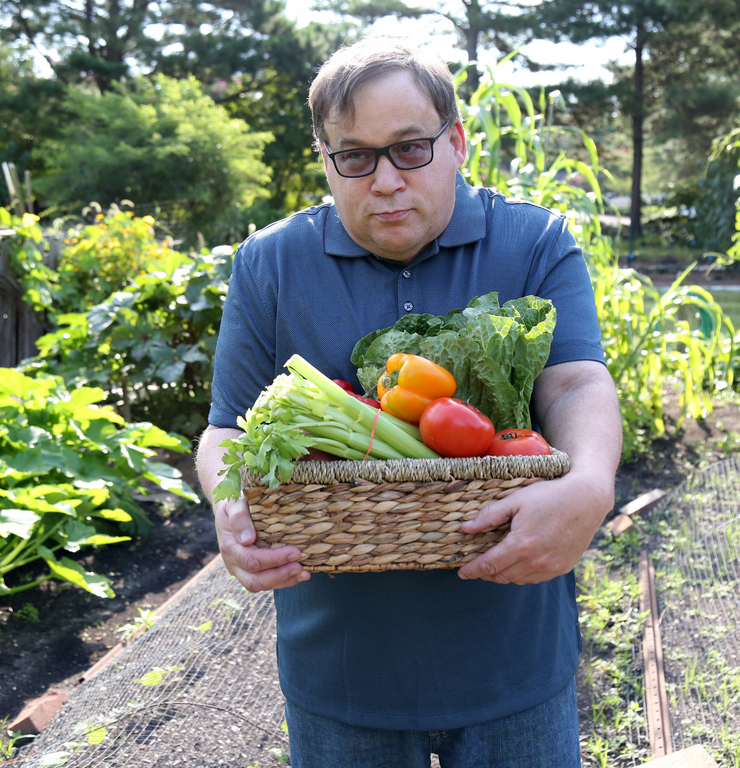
50,636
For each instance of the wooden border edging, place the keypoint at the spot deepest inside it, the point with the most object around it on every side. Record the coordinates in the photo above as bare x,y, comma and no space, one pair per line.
652,656
117,649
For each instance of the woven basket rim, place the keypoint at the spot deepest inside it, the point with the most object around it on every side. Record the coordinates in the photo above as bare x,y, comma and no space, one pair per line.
423,470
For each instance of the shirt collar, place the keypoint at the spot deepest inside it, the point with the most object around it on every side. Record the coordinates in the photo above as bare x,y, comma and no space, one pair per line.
468,224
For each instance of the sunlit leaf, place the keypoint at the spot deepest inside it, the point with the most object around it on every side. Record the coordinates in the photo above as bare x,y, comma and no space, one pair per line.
17,522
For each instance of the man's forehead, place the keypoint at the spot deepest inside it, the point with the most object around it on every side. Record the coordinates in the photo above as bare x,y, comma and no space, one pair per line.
409,117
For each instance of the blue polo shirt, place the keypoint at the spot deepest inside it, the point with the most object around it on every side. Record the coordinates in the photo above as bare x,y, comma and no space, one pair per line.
406,649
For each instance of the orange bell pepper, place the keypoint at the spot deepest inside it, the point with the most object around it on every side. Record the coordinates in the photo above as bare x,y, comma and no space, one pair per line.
410,383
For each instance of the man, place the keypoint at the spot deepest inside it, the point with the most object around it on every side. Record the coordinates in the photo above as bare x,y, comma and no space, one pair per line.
476,664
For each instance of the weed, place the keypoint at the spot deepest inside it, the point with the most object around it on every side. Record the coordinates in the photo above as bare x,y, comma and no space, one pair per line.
7,740
144,621
625,549
28,612
279,755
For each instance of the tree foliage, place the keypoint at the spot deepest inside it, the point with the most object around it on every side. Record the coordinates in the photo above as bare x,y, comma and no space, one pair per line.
684,78
263,79
30,110
248,55
638,22
105,40
504,25
156,141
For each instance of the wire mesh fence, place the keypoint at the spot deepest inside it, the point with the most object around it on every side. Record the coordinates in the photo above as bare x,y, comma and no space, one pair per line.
698,590
198,689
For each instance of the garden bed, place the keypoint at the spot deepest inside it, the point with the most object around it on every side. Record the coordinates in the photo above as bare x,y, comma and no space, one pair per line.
49,637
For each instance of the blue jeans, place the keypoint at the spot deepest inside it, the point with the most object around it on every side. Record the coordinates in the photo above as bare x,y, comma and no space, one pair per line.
545,736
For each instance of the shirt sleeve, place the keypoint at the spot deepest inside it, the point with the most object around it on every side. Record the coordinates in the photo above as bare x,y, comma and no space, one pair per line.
245,352
559,273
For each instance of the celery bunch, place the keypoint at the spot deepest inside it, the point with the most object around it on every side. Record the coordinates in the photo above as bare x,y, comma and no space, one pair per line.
304,409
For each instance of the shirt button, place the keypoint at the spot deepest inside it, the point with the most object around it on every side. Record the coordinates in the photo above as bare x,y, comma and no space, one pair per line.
406,273
408,306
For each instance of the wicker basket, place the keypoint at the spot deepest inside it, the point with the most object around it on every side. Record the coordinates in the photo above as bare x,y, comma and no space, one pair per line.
383,515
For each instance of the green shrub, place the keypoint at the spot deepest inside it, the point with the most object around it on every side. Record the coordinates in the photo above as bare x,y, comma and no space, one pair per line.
156,140
68,471
129,315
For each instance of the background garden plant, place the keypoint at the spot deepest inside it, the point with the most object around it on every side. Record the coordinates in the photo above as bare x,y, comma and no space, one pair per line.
68,471
130,314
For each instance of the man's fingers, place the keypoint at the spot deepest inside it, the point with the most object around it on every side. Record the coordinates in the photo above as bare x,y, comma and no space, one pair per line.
240,521
256,560
256,568
490,564
277,578
490,515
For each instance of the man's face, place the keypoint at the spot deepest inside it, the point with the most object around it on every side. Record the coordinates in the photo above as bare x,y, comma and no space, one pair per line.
394,213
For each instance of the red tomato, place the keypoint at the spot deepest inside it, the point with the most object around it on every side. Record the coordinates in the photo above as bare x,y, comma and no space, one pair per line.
455,429
518,442
366,400
345,385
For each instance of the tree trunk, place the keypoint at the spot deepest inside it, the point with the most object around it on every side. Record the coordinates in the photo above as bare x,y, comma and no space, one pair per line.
638,120
471,47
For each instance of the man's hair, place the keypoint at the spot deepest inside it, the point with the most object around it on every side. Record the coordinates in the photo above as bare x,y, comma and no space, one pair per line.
355,65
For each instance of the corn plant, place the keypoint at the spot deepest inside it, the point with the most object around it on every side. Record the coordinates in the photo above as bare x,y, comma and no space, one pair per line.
651,340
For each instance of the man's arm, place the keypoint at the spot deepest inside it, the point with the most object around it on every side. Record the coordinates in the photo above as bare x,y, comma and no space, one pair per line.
553,523
255,569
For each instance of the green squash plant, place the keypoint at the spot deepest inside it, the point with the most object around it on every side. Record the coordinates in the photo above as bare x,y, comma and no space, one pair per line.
651,342
69,468
150,345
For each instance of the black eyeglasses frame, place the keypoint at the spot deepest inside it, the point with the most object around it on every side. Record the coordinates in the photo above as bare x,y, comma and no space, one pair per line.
386,152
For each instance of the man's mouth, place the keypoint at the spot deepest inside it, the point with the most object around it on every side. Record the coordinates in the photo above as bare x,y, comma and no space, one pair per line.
393,215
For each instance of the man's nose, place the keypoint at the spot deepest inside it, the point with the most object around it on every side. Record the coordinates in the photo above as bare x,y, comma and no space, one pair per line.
387,178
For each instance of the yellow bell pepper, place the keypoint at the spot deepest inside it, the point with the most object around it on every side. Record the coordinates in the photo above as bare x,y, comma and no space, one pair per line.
409,383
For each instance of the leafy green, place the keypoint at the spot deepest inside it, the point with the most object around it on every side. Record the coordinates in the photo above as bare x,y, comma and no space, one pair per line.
127,314
68,471
494,352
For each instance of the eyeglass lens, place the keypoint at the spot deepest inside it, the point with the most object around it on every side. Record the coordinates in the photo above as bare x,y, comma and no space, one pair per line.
405,155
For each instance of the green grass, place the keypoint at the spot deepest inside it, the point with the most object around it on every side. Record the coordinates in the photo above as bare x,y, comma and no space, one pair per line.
654,253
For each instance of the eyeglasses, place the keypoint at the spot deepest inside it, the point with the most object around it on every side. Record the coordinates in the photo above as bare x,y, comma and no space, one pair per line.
405,155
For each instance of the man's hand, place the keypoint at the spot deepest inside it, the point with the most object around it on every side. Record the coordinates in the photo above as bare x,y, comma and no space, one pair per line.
553,522
255,569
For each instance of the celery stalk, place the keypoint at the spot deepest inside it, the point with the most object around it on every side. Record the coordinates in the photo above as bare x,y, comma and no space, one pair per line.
302,410
338,449
359,441
385,428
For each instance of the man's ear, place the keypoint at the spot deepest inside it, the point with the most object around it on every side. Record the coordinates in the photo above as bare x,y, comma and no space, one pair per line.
460,145
322,152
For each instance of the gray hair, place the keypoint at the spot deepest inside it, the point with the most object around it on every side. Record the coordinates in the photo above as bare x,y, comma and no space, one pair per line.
354,65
